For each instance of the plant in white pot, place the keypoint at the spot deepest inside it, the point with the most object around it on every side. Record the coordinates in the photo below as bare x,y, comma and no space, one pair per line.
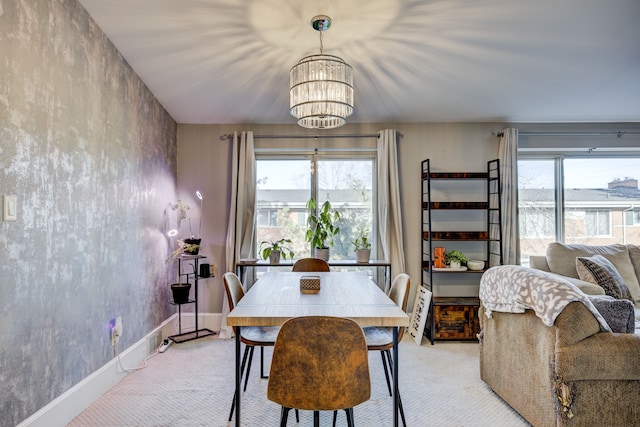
455,258
321,227
362,246
274,250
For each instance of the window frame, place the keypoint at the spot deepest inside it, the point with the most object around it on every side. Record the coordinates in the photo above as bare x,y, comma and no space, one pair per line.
558,158
319,155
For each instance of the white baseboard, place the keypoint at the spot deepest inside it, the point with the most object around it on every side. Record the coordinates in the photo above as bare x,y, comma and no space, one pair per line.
63,409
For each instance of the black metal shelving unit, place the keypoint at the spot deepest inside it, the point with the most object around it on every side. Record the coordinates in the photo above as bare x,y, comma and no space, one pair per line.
455,318
180,337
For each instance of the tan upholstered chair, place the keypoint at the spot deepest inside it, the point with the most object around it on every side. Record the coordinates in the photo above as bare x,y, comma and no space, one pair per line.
311,264
381,339
320,364
252,336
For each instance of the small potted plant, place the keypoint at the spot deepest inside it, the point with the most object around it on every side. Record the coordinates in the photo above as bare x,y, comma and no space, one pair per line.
362,246
321,227
180,291
456,258
273,250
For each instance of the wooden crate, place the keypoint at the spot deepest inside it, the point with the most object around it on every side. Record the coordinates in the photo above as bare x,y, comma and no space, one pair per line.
456,318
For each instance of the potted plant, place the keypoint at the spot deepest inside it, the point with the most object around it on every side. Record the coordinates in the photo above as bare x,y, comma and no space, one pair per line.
456,258
362,246
273,250
180,291
321,227
192,243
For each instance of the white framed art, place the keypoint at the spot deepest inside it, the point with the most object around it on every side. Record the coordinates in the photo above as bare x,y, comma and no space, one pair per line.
419,314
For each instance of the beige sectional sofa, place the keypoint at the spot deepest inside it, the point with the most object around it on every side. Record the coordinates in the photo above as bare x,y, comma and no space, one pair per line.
559,364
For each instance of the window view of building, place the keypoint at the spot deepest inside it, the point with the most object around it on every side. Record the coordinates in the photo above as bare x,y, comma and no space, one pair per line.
283,188
594,205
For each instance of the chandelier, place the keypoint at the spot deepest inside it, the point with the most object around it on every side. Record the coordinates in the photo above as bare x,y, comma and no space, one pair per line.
321,87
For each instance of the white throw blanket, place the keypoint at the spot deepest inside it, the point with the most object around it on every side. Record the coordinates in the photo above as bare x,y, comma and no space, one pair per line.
514,289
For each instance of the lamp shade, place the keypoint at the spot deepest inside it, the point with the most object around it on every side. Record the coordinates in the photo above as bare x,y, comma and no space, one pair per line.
321,91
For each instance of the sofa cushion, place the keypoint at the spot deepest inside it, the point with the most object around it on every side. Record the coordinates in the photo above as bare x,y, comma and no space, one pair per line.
597,269
588,288
561,260
619,313
634,255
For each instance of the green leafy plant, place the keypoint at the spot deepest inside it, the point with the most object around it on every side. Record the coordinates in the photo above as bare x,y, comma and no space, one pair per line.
456,256
267,247
362,240
321,224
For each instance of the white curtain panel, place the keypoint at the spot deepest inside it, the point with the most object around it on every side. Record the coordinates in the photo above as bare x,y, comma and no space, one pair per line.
508,155
389,210
241,230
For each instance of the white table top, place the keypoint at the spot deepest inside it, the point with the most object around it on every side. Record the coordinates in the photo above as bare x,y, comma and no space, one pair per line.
276,297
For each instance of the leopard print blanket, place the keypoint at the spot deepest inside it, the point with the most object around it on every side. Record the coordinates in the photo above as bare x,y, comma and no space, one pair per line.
514,289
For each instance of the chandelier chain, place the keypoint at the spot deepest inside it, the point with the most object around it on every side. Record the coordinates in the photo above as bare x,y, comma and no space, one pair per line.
321,44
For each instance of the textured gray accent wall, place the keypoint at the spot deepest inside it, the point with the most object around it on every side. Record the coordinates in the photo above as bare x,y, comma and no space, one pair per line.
91,155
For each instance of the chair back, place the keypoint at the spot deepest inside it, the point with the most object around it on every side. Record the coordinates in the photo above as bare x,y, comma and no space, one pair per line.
311,264
399,293
319,363
233,289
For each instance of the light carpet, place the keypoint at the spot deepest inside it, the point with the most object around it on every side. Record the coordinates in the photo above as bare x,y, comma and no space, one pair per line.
192,384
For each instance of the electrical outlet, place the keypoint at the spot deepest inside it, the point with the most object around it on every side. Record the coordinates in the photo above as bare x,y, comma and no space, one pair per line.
116,330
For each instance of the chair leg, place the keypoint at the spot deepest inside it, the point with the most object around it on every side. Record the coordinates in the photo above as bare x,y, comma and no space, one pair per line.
246,378
233,406
242,365
349,412
386,371
404,422
316,418
262,375
284,414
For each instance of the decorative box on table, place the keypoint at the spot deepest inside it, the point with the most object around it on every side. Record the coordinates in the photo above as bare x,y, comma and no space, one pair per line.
310,284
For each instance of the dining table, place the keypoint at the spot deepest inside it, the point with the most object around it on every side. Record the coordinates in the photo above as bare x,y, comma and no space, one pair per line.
277,297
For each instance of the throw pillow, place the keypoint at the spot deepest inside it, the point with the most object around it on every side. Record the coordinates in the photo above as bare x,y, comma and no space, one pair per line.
597,269
618,313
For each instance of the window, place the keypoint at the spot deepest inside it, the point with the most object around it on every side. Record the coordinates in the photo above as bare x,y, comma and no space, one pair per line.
597,222
587,200
284,185
537,222
268,218
633,216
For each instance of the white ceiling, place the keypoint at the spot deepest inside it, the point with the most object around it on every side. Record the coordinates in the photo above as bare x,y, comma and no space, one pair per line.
228,61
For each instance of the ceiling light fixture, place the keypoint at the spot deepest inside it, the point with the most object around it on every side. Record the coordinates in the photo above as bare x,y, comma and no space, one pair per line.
321,87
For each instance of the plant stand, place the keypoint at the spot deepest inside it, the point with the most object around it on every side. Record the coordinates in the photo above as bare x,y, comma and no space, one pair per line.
198,332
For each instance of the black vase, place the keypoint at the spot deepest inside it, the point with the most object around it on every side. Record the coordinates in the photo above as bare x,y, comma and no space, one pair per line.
180,292
193,242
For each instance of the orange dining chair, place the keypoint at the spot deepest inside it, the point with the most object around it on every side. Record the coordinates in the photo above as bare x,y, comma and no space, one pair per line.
319,363
311,264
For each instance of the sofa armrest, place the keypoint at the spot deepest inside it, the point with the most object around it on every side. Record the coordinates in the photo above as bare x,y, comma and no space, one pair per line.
575,324
539,262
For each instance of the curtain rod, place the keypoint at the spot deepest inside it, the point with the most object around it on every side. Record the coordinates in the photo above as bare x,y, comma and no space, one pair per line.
619,134
375,135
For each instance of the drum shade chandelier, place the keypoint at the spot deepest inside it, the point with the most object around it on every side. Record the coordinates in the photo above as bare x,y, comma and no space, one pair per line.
321,87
